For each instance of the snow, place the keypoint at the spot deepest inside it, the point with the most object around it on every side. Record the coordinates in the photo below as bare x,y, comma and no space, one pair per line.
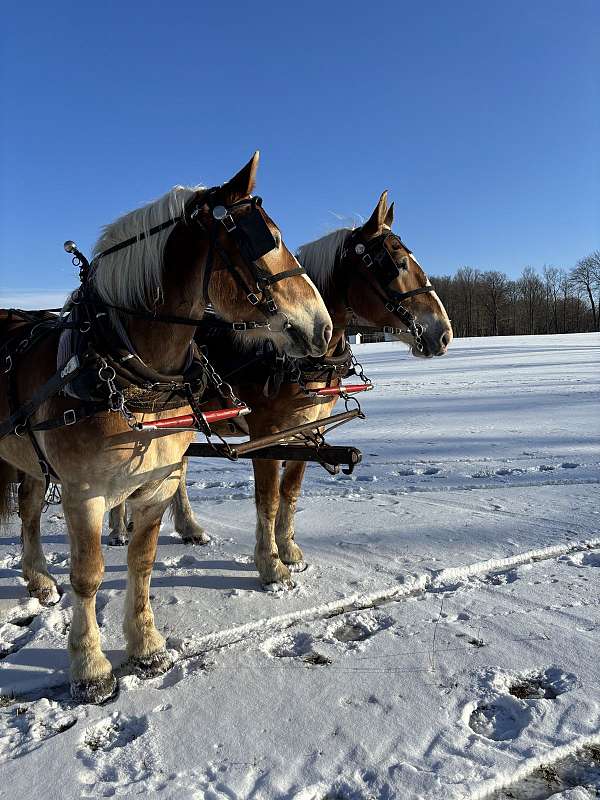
442,643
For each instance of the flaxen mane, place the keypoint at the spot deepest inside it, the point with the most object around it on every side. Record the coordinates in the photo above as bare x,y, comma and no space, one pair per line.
133,277
318,258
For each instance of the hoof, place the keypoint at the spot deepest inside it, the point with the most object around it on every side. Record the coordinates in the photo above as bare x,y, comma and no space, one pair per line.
95,692
153,665
47,595
297,566
279,586
118,540
194,536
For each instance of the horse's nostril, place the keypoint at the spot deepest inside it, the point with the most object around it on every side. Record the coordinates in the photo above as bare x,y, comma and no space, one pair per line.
445,340
327,333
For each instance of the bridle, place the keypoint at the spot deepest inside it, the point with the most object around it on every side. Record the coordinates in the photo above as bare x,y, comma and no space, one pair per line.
249,231
380,264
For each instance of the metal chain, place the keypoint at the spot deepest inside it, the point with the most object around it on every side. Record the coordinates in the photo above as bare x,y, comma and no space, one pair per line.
116,398
223,388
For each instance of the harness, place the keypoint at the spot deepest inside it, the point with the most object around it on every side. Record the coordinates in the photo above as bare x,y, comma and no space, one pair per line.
104,374
379,263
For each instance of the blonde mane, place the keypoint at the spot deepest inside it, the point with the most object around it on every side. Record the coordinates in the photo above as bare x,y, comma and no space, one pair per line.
132,277
319,257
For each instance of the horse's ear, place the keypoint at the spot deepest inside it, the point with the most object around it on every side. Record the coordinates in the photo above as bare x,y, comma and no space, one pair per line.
389,217
376,221
242,184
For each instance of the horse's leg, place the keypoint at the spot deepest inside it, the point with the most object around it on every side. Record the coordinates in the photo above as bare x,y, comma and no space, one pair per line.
291,484
117,522
266,555
35,569
92,679
185,523
145,645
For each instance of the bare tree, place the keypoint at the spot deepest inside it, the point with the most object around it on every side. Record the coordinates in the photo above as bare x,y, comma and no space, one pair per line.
494,295
532,289
551,285
585,275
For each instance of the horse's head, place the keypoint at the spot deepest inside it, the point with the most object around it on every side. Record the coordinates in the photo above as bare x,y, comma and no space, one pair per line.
250,276
388,288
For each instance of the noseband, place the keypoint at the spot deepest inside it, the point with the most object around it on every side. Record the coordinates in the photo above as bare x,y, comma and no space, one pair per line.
249,231
379,262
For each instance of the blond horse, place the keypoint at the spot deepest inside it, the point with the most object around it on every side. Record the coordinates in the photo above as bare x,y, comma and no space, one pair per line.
101,461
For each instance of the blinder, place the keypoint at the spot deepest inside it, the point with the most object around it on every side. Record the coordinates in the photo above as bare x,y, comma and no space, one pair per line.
255,236
375,255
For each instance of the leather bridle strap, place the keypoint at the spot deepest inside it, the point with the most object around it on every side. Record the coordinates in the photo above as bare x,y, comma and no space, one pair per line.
138,238
378,262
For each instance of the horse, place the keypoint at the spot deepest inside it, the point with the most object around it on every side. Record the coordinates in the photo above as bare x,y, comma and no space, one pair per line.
367,273
154,272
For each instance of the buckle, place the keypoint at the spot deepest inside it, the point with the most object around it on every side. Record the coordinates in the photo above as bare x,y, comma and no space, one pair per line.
70,417
253,299
271,306
8,362
239,326
367,260
228,223
390,307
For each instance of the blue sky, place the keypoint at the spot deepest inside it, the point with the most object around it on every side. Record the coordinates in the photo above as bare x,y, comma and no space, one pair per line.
481,118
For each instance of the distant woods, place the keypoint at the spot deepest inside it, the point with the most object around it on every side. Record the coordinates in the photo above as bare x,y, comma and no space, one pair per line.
551,301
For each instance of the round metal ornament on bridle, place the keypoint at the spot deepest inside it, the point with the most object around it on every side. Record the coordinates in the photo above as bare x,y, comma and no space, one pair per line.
219,213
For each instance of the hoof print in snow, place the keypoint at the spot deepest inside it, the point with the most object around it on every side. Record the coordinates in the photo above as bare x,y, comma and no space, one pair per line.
359,626
26,725
113,732
352,633
476,642
501,719
316,659
293,645
547,685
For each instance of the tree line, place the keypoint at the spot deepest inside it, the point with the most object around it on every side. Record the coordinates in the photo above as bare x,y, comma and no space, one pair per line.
551,301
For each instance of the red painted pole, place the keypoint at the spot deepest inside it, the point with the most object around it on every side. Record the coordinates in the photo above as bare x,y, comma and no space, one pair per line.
189,421
351,388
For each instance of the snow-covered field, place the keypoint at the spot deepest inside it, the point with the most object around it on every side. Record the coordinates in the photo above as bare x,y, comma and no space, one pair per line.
443,642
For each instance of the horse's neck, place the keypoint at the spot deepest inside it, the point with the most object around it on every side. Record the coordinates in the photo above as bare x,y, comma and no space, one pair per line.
165,346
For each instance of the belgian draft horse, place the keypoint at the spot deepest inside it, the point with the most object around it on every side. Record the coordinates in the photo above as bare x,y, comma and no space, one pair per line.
101,461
